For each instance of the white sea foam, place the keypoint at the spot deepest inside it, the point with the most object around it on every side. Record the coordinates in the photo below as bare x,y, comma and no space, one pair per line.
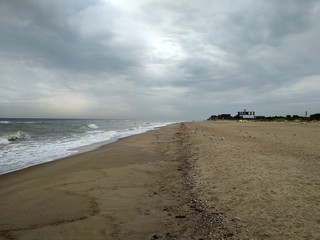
4,140
92,125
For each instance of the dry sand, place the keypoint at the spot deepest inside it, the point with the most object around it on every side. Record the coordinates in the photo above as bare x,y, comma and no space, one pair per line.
201,180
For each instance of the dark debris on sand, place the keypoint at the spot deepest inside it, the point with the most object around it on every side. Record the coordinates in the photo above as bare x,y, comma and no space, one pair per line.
194,218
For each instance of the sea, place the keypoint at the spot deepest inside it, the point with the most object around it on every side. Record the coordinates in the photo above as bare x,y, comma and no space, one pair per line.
28,142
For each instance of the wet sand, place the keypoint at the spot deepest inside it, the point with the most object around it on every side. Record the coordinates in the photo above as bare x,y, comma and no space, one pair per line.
201,180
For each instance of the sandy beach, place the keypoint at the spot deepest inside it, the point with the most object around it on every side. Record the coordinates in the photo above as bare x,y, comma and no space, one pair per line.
195,180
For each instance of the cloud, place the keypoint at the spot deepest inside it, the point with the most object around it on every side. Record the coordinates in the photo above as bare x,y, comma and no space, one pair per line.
67,35
307,86
158,59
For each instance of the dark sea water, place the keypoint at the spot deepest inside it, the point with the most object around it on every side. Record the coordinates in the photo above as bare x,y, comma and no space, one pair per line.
27,142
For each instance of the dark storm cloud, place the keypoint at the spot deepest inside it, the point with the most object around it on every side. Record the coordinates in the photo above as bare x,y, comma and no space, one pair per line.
49,33
268,22
261,38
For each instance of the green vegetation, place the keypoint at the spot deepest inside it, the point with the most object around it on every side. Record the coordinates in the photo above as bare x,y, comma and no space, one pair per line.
313,117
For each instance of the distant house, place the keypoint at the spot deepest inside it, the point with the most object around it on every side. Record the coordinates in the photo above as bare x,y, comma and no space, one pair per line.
246,114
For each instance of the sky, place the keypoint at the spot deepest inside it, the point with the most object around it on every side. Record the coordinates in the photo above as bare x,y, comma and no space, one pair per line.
158,59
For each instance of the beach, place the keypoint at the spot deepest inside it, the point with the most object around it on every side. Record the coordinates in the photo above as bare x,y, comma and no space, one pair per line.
193,180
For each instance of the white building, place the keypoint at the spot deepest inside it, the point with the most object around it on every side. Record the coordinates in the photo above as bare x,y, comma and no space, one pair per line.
246,114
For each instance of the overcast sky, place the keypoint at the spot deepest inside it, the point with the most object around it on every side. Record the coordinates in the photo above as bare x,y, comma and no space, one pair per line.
158,59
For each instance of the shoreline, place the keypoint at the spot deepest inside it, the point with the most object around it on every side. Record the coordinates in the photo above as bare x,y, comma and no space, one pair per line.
192,180
80,150
85,196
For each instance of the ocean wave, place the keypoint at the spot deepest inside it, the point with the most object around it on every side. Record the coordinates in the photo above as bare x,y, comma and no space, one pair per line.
92,125
19,122
29,122
4,141
94,131
13,137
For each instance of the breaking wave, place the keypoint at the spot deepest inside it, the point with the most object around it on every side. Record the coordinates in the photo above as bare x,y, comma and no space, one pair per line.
92,125
13,137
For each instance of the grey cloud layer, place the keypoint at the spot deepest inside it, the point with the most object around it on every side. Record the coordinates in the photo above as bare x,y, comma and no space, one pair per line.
175,59
57,34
